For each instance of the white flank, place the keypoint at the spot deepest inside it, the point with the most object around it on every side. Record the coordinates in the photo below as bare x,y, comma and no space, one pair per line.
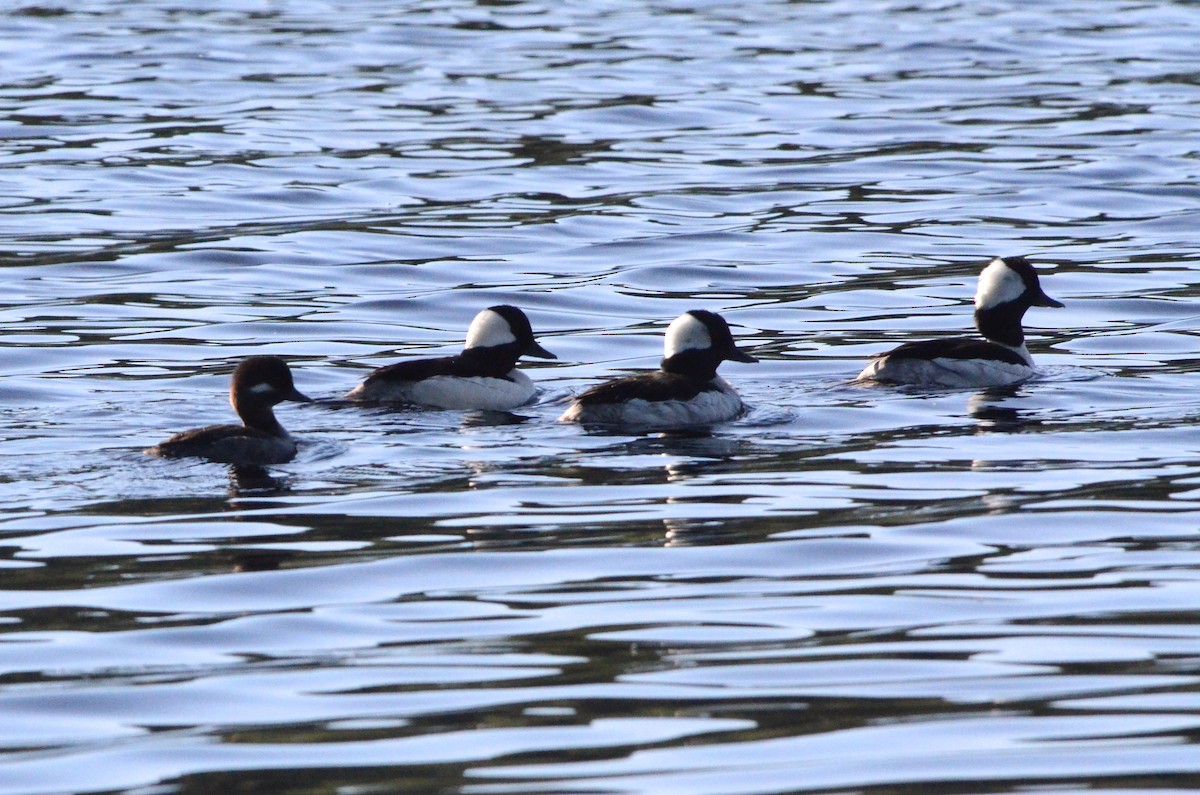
704,409
947,373
488,329
452,392
686,333
998,284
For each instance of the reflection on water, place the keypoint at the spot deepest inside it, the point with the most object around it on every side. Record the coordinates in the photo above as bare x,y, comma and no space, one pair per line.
993,411
857,589
255,481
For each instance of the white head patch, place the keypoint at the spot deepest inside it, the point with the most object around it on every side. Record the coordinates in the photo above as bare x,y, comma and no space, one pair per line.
686,333
261,388
488,329
998,284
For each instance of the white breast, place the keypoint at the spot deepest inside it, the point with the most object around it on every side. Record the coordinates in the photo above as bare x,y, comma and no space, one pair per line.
947,373
704,409
452,392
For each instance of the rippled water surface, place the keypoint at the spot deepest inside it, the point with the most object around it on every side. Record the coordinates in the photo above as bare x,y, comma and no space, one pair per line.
849,589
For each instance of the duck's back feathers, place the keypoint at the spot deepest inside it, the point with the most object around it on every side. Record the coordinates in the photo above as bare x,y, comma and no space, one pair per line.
653,387
420,369
957,348
450,382
228,444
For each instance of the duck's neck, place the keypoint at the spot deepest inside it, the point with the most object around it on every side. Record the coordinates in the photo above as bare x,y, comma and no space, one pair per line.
692,363
1002,323
260,417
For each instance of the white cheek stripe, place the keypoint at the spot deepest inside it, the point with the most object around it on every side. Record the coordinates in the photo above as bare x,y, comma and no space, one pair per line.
261,389
998,284
686,333
488,329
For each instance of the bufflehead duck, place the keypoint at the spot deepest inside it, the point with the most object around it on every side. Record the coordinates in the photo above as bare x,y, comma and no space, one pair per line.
483,376
259,382
685,391
1007,287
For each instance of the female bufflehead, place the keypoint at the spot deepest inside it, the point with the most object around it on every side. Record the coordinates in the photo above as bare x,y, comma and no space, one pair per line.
1007,287
685,391
259,382
483,376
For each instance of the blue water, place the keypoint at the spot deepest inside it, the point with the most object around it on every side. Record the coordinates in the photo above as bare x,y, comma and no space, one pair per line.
848,590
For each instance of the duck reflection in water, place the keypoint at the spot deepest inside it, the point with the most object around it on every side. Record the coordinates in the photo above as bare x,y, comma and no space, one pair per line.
488,419
992,417
245,481
250,560
698,532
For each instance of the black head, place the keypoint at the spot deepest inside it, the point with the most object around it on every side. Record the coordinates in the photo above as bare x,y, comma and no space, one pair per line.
1032,284
503,334
1007,287
697,342
1008,279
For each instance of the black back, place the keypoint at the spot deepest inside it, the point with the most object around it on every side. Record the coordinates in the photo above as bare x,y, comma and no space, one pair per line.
652,387
197,440
956,348
495,362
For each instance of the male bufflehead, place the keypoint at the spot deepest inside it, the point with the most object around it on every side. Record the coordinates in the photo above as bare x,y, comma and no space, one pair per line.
1007,287
483,376
259,382
685,391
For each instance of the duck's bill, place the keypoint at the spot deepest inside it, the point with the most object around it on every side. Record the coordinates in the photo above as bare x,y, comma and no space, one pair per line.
298,396
1046,300
537,350
739,355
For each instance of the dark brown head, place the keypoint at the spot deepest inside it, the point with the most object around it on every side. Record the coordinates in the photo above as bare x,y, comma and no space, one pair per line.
259,383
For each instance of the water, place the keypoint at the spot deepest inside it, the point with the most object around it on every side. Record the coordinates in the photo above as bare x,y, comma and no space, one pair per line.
851,589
